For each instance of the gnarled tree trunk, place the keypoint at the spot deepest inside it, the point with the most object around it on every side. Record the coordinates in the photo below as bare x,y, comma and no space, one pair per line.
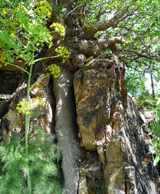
66,128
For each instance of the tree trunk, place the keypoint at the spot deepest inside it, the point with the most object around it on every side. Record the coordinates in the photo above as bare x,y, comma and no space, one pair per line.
66,129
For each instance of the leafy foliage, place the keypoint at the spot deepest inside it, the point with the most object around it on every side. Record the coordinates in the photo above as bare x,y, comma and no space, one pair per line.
155,148
23,29
138,29
139,86
42,8
135,83
62,52
3,57
41,163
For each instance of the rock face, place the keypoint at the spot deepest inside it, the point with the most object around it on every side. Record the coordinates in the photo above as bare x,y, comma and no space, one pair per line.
120,137
9,81
12,121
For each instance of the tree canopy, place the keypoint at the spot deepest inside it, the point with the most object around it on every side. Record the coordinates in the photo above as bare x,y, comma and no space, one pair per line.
130,29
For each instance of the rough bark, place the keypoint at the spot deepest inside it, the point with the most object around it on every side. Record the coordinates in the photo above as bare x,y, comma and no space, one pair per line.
66,128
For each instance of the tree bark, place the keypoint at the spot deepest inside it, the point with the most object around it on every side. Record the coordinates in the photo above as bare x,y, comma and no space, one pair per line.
66,127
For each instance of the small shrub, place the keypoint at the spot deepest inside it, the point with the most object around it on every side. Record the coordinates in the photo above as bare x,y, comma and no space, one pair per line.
40,164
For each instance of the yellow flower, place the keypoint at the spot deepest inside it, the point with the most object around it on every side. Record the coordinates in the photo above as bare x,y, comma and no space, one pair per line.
54,69
62,52
42,8
58,27
24,107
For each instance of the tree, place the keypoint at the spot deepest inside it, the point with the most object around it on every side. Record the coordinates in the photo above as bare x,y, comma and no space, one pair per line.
129,29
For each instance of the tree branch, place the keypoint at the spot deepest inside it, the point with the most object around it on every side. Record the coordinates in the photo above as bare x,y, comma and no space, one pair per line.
101,26
94,48
140,54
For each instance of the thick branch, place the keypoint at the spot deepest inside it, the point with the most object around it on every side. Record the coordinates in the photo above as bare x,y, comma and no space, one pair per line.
101,26
94,48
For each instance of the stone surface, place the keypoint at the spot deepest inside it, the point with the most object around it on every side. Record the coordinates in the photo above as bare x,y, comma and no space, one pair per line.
40,86
82,185
96,94
4,105
131,182
118,134
9,81
12,121
89,142
79,61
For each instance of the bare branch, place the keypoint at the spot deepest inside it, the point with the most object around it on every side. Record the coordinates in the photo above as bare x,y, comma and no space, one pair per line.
70,12
141,54
133,67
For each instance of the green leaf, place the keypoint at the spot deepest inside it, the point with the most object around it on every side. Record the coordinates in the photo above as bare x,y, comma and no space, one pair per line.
156,116
152,110
154,142
153,125
151,131
35,114
156,160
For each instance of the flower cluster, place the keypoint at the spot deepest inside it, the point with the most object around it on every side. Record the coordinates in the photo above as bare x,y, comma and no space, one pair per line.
62,52
42,8
58,27
3,57
38,101
26,107
54,69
